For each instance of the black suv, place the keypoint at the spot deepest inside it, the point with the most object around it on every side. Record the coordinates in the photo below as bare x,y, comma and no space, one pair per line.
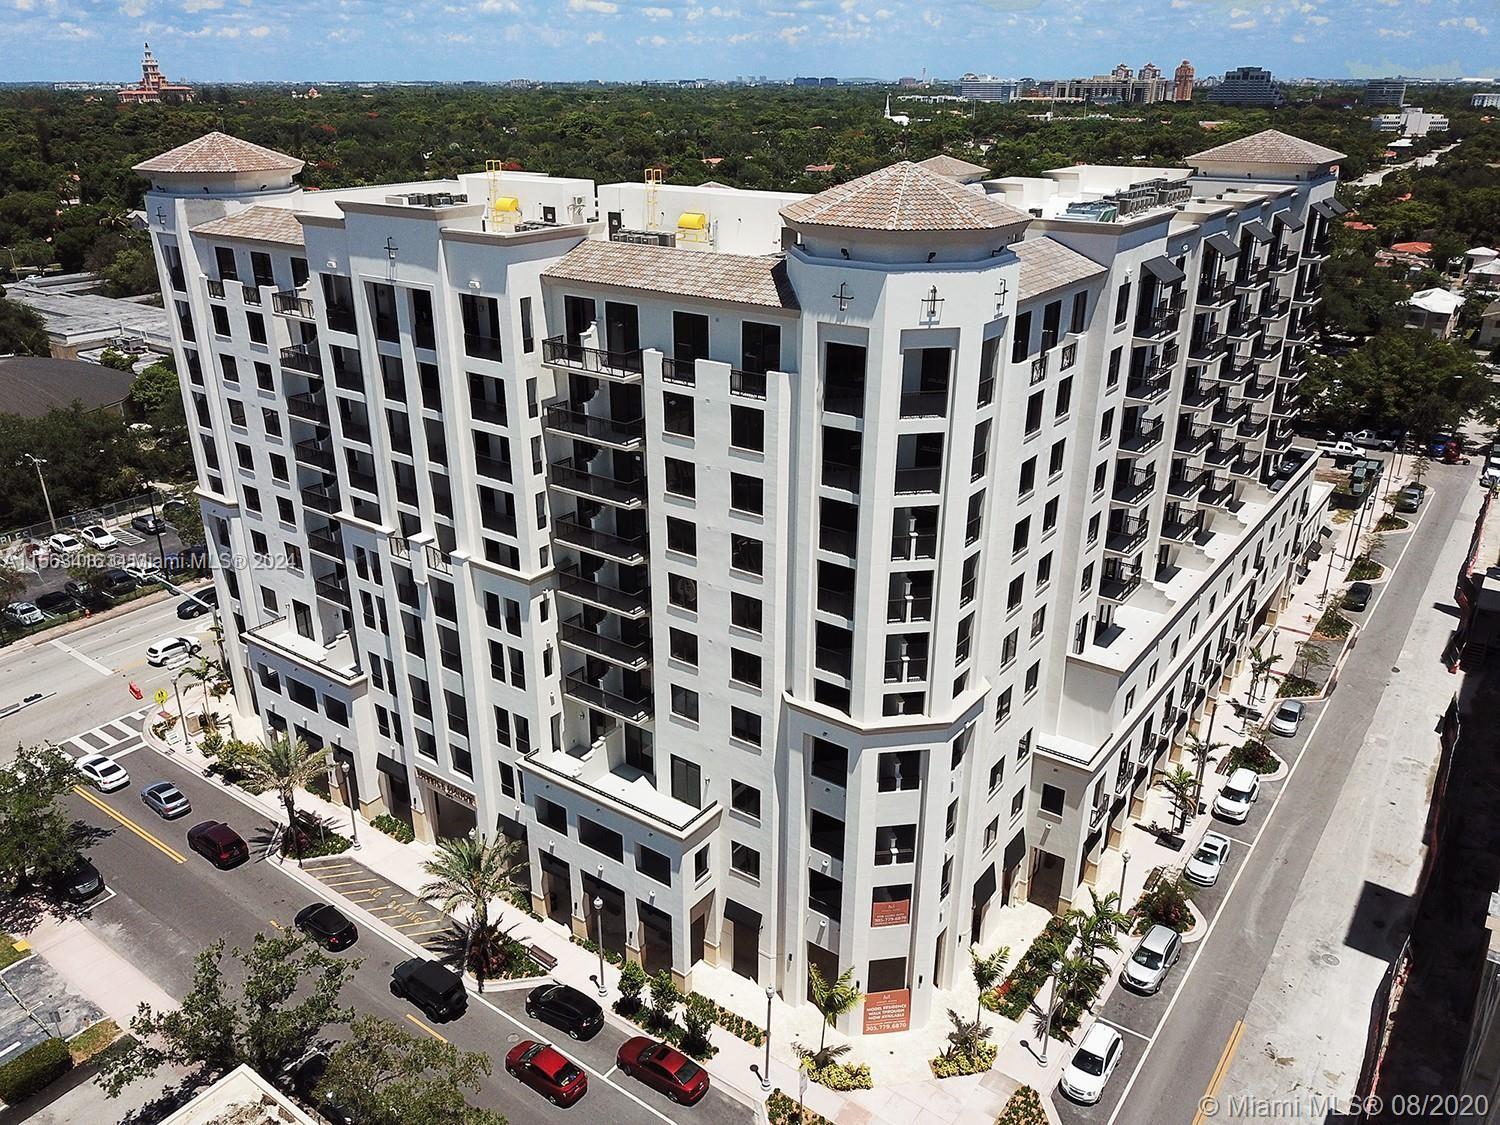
437,991
566,1009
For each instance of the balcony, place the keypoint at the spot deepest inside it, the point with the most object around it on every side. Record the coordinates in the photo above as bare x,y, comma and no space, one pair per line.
1305,296
914,480
1280,438
355,430
617,366
1286,407
1258,389
1127,537
1226,415
492,519
1275,309
1253,426
1177,526
308,406
1283,261
1117,586
1252,279
250,294
347,376
747,384
1268,348
632,709
572,422
1215,291
1145,390
1192,439
289,302
1242,329
318,454
480,346
484,410
622,602
1159,321
321,498
569,532
924,405
1141,439
584,638
1195,397
304,358
838,661
1219,495
363,481
327,542
683,372
334,588
1134,487
1246,466
1185,486
492,467
215,288
629,493
1219,454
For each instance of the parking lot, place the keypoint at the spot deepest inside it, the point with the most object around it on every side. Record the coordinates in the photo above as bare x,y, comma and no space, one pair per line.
397,908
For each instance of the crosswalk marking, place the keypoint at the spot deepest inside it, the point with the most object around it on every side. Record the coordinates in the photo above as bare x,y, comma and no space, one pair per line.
116,737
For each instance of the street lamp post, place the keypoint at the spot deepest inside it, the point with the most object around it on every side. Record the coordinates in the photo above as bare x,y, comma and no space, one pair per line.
349,798
37,463
599,931
1047,1033
765,1067
181,714
1124,867
161,551
1213,713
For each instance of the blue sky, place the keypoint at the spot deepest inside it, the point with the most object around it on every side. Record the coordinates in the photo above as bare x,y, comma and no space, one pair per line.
230,40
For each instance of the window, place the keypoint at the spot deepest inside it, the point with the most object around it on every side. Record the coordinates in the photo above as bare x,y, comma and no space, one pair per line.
950,823
683,646
744,725
1106,425
1080,312
991,833
1021,535
1055,459
1033,677
744,799
605,841
677,414
746,553
1016,592
1044,570
681,479
1064,396
1053,799
652,864
744,667
1034,407
744,859
830,762
687,781
1003,706
1122,303
1113,376
682,536
1087,582
1049,515
700,863
1008,647
1028,476
682,591
528,338
980,459
684,703
747,428
1038,622
745,612
1093,528
746,493
1017,803
1020,344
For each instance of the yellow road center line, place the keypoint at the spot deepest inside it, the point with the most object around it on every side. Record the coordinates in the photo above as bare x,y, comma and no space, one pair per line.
425,1028
1220,1072
126,822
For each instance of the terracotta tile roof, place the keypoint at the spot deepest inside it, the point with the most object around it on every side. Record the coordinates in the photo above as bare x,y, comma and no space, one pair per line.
1047,264
684,273
219,152
953,167
263,224
1270,146
904,197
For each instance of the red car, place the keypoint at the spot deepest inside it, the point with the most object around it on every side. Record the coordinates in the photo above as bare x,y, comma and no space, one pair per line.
218,843
547,1071
663,1068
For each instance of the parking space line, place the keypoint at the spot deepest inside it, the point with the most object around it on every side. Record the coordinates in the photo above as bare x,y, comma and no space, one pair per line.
1127,1030
610,1071
126,822
425,1028
339,886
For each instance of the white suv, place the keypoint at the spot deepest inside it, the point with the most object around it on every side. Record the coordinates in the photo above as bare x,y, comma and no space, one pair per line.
1239,793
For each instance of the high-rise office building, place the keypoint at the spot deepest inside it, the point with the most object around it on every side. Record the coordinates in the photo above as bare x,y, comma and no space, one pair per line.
1247,85
1385,91
804,579
1182,82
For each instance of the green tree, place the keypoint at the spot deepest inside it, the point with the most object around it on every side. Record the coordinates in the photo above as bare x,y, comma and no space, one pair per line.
38,838
382,1075
468,872
632,984
22,331
1180,786
665,997
12,583
207,675
699,1014
1261,666
1098,927
967,1036
987,972
119,361
1200,750
285,765
832,999
154,388
283,996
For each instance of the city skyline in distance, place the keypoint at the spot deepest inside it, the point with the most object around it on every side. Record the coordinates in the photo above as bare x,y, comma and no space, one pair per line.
208,41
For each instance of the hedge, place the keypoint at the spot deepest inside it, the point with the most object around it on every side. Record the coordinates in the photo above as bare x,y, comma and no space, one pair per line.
956,1066
782,1110
1024,1108
1019,989
38,1068
838,1076
738,1025
388,824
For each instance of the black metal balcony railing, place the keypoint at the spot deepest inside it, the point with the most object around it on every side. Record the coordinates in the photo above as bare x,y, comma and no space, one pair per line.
747,384
1207,346
632,655
1141,438
839,661
843,477
481,346
493,519
1145,389
492,467
1133,487
924,405
308,406
911,670
304,358
1177,525
903,608
1117,585
250,294
1126,536
333,588
1219,454
1217,494
1246,466
1192,439
626,603
326,542
318,454
837,600
683,372
912,480
626,549
321,499
1280,438
288,302
1214,291
596,361
1184,486
629,492
215,288
619,433
633,709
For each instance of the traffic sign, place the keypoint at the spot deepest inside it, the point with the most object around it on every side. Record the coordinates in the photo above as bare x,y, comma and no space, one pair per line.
160,696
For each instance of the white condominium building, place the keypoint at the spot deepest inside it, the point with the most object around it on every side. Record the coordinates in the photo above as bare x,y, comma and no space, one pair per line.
802,578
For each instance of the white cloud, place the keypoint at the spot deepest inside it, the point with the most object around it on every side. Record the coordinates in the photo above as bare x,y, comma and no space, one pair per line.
1299,38
1319,20
653,41
457,37
135,9
73,31
1244,25
790,35
1392,33
201,5
657,13
594,37
499,6
1466,23
932,19
603,7
259,31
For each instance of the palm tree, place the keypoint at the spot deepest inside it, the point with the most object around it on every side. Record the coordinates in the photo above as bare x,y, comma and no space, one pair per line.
286,765
1180,786
987,973
203,673
469,871
1098,926
1261,667
833,999
1201,750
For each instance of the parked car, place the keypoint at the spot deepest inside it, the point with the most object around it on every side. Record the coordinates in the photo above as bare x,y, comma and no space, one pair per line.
80,882
303,1076
663,1068
566,1009
327,926
98,537
1147,969
438,991
24,613
1369,439
118,581
1357,598
168,649
196,605
148,524
166,800
1084,1078
218,843
1206,863
1287,716
1239,793
1410,498
58,602
64,543
547,1071
1338,450
103,772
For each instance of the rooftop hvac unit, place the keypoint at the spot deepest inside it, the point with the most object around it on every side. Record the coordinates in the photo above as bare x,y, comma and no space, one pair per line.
1098,210
432,199
645,237
1172,193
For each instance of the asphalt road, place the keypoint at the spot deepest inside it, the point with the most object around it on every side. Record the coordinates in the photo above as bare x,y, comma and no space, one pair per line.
168,904
1177,1042
85,675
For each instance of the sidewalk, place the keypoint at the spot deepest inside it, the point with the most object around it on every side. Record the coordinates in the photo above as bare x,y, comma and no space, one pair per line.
92,968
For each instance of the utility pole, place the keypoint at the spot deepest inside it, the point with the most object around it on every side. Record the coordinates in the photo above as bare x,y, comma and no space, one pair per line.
37,463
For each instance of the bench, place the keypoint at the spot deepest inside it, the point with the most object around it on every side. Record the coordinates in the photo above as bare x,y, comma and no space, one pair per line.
542,957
